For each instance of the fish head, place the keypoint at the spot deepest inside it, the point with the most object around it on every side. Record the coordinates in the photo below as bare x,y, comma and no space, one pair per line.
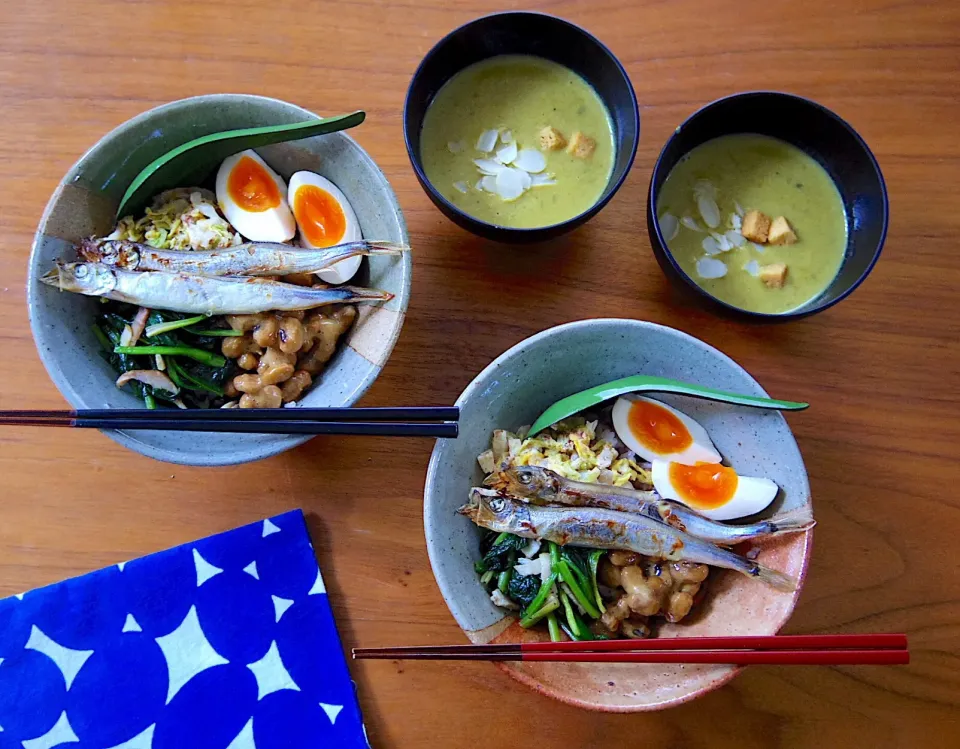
527,481
488,510
92,279
117,253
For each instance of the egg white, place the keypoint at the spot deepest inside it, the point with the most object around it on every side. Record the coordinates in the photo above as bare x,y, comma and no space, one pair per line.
272,225
750,496
701,450
344,270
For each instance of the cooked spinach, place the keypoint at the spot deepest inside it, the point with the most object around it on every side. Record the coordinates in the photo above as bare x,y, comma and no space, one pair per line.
498,556
522,589
201,383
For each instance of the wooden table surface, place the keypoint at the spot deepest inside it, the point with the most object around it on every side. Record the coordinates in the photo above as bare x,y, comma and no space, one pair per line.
882,369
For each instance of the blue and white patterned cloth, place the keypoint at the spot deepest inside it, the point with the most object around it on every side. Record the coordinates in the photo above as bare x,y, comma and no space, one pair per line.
226,643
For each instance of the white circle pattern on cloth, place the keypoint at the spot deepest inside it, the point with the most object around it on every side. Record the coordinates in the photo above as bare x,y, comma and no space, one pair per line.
226,643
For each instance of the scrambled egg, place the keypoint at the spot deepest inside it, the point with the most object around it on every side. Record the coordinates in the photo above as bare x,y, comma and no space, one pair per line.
180,219
572,448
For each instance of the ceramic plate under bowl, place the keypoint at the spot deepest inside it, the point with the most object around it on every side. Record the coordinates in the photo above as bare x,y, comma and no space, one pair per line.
513,391
85,203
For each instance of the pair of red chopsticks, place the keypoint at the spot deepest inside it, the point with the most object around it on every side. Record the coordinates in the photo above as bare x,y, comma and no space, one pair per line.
786,650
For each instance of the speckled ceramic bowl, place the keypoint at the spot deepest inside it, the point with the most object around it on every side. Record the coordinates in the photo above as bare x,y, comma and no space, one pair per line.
85,203
513,391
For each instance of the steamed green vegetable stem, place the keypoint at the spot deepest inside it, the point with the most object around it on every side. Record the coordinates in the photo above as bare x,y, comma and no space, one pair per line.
553,627
221,333
204,357
195,367
168,326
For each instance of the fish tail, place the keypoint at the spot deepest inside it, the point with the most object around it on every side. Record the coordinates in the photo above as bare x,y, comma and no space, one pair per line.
800,519
377,247
773,578
358,294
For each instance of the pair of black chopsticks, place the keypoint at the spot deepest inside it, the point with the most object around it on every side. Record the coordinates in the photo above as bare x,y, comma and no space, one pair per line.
377,422
779,650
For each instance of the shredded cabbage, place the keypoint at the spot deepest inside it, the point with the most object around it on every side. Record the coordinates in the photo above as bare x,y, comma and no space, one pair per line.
180,219
574,448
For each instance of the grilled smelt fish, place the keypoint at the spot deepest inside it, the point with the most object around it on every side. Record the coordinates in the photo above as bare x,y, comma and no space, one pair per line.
250,259
200,295
542,486
594,528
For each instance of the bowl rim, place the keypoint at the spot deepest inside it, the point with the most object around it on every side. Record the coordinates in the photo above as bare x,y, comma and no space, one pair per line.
240,455
529,232
802,311
433,553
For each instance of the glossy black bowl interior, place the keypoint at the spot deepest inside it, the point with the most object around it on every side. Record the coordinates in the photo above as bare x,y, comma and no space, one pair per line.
823,135
525,34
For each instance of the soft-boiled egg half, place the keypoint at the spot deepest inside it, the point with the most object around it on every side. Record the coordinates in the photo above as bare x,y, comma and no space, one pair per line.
325,218
253,198
655,431
713,490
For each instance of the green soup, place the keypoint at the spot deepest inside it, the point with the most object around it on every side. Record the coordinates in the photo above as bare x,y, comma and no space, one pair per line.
755,172
519,96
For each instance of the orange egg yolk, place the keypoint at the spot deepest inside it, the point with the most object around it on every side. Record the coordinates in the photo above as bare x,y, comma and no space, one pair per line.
705,485
319,216
658,428
251,187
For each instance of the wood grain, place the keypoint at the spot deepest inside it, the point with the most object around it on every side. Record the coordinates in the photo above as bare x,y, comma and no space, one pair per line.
882,369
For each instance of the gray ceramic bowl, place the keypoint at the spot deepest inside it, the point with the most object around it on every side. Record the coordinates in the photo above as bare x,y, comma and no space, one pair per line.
85,203
513,391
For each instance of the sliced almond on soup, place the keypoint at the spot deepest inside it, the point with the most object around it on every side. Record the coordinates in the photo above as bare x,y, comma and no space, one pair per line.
506,154
488,166
753,268
709,268
487,140
488,183
709,211
526,179
530,160
735,238
669,225
510,183
710,246
722,242
542,179
461,186
705,188
691,223
706,196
